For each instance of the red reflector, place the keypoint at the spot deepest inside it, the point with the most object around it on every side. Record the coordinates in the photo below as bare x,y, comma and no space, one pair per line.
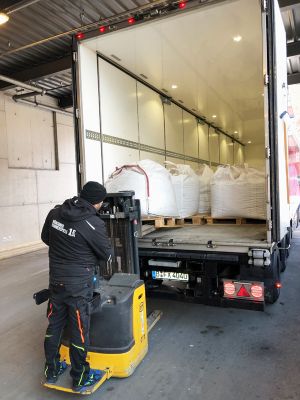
278,285
131,20
79,35
229,288
182,5
102,29
243,292
256,291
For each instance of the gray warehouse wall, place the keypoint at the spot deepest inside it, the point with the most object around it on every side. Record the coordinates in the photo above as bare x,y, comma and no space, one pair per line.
37,171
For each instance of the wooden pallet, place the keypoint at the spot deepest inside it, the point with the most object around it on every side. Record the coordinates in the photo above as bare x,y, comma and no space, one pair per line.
162,222
197,219
171,222
233,221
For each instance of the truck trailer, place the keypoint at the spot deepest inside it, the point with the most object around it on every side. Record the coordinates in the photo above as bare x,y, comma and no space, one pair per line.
194,82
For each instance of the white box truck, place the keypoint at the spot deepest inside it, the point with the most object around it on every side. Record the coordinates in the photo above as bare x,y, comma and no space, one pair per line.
194,82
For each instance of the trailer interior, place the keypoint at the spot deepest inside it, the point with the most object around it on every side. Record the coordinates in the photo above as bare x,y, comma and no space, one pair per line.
190,88
160,82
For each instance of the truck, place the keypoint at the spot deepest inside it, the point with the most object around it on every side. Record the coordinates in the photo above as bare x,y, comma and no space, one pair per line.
194,82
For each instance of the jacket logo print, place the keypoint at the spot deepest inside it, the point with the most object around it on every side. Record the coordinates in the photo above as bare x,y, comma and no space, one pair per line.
60,227
72,232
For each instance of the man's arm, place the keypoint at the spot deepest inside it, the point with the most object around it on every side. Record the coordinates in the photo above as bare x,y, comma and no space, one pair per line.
96,236
45,230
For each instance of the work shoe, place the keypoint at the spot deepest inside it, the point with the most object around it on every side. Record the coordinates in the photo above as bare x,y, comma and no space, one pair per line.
53,378
93,377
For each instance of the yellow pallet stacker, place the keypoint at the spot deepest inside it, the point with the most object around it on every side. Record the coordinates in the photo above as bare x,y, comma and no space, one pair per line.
118,333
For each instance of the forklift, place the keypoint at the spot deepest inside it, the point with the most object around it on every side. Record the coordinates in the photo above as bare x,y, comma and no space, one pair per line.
119,324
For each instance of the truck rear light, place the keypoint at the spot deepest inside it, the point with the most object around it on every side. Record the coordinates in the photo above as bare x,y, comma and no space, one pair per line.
243,290
257,291
79,35
229,288
278,285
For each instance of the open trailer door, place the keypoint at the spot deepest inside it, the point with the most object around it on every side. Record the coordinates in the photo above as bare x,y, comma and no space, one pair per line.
276,104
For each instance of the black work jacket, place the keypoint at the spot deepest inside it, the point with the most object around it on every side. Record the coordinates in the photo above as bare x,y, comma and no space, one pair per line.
77,241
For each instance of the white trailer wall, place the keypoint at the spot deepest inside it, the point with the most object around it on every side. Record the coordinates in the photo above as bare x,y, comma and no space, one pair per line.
191,139
255,156
238,154
135,124
204,153
214,146
174,128
31,183
150,121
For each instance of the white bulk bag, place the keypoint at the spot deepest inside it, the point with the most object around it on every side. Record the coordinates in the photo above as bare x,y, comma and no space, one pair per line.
151,183
238,192
186,187
205,175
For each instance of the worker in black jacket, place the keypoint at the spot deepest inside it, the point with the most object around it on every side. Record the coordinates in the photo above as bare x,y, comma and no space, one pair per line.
77,240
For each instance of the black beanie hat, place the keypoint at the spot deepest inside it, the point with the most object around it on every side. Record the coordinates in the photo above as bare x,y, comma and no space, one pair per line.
93,192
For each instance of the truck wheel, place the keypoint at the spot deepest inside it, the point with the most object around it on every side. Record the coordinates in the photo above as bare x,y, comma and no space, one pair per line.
272,292
283,265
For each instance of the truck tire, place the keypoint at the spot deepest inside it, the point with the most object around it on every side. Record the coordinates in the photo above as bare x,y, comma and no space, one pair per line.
272,292
283,265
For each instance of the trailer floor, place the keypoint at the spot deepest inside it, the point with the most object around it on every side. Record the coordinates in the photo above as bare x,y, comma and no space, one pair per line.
251,234
196,352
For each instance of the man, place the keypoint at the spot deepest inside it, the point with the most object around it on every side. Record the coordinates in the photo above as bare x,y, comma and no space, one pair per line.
77,239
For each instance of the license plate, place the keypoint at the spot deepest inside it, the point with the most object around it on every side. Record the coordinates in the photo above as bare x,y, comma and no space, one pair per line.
171,276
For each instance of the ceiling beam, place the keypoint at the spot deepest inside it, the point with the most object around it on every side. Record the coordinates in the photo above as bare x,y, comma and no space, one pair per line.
288,3
293,49
40,71
9,3
66,101
293,79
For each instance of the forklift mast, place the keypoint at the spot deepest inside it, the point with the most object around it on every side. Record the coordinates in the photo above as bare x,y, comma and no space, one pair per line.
121,214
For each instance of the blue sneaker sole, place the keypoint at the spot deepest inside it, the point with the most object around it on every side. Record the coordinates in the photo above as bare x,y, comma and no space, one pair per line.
83,388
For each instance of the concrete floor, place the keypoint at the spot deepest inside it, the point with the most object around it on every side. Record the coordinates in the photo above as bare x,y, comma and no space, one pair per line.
196,352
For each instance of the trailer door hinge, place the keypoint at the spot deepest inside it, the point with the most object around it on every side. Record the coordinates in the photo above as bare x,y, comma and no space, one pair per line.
77,113
75,56
268,152
264,5
270,224
266,79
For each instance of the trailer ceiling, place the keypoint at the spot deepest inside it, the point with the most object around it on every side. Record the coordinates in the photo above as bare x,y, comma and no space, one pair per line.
220,78
24,57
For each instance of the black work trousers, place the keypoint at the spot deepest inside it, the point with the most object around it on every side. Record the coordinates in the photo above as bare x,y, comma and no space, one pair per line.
68,304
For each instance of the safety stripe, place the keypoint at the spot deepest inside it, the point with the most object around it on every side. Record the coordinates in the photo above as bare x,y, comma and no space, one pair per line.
90,225
47,336
51,310
78,347
81,376
79,325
